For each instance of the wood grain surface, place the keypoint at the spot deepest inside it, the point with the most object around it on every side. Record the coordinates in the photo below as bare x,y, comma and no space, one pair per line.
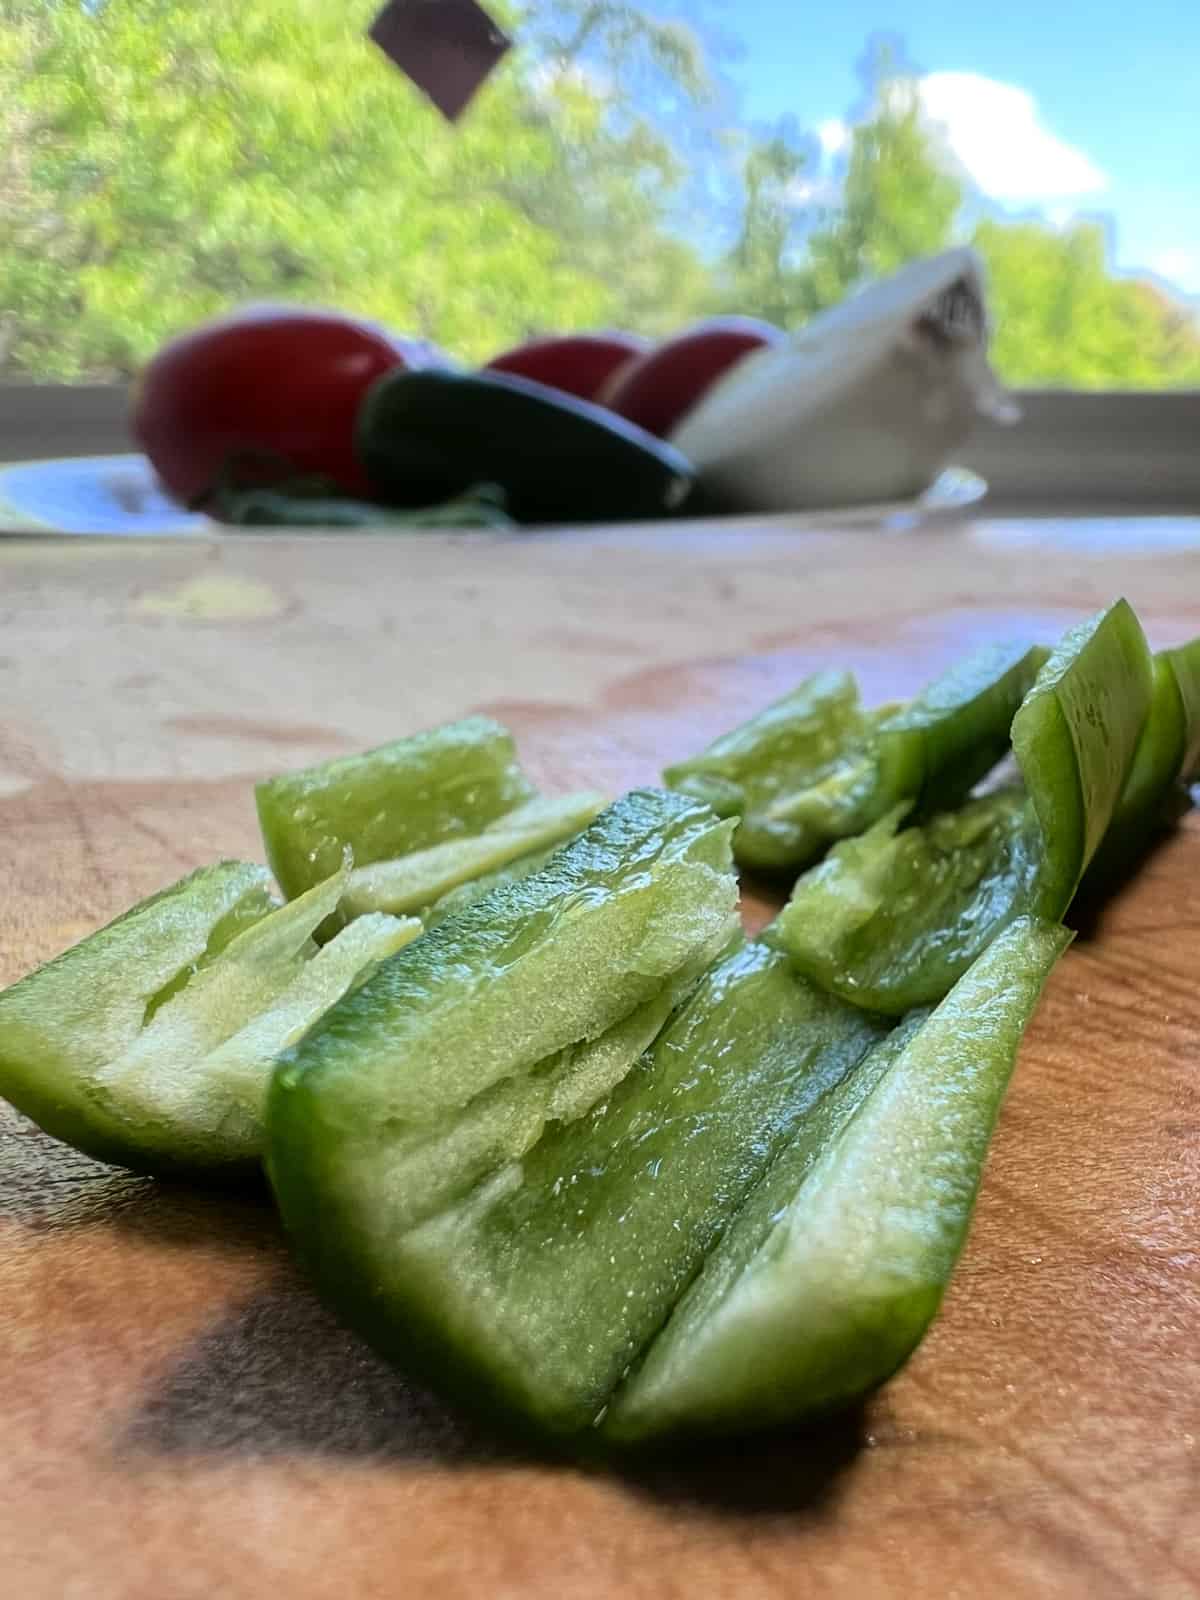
180,1418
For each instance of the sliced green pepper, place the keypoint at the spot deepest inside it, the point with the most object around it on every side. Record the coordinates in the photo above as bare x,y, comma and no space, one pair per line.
827,1279
537,965
754,771
535,1290
814,767
415,882
1075,737
892,920
467,893
151,1042
1168,751
957,729
445,784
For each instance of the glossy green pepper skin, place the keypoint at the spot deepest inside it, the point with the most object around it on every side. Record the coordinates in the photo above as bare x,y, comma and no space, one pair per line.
1075,738
151,1042
815,767
414,883
797,747
1168,753
448,783
891,920
827,1278
534,1289
956,730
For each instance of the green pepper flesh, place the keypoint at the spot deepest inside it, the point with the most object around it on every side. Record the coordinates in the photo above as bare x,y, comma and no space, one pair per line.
828,1277
537,1290
444,784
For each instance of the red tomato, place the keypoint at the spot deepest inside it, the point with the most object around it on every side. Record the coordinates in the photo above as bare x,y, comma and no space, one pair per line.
578,363
284,380
658,389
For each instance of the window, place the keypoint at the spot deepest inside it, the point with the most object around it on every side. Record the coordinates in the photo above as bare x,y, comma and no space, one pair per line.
626,164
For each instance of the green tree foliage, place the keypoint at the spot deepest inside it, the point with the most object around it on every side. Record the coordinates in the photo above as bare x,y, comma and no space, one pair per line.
760,274
1061,316
1063,319
897,203
161,160
164,158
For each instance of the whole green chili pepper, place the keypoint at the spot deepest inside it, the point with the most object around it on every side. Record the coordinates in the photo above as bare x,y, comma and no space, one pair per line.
891,920
151,1042
827,1278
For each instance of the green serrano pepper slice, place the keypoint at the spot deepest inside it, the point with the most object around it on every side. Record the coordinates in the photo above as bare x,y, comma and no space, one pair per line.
467,893
442,785
534,1288
416,882
151,1042
893,919
755,771
815,767
1168,752
826,1280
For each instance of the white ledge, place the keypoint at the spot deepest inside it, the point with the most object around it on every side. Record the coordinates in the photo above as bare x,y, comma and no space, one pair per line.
1072,448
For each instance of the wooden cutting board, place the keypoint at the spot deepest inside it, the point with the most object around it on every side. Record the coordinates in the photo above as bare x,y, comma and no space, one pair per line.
182,1421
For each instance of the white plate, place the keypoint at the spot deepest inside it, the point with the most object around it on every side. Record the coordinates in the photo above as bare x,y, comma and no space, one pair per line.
118,495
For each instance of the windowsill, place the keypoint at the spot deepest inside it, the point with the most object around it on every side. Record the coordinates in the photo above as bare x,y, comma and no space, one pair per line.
1072,450
1093,451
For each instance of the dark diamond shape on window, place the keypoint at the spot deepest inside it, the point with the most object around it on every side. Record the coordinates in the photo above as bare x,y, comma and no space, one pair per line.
447,47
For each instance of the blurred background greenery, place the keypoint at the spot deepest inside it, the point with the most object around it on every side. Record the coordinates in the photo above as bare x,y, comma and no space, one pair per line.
161,160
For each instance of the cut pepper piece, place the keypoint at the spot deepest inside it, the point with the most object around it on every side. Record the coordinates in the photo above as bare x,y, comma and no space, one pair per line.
1075,738
890,921
830,1274
533,967
151,1042
754,770
815,767
467,893
1168,753
956,730
432,1167
415,882
534,1292
447,783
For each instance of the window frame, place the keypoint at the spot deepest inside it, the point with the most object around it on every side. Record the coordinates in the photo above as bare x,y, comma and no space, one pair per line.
1072,449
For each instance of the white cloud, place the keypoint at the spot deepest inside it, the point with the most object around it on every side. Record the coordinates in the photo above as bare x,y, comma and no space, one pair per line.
1180,265
833,135
1061,215
995,132
812,192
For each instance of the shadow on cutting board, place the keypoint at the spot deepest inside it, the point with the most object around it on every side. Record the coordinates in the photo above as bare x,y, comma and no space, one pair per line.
793,1471
277,1375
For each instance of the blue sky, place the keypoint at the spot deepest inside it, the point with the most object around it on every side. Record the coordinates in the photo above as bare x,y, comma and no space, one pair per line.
1112,126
